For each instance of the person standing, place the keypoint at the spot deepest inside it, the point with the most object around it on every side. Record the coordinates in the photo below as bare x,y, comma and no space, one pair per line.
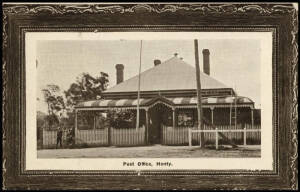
59,137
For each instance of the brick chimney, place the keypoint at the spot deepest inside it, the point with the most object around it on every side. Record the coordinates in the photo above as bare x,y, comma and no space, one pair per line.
157,62
206,65
120,73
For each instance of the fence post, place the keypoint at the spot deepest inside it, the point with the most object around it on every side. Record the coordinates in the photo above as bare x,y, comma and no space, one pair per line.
252,118
190,137
43,133
109,135
245,137
217,139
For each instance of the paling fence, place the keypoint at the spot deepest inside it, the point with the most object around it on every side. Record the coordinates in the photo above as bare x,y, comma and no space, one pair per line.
99,137
133,137
128,137
92,137
50,138
180,135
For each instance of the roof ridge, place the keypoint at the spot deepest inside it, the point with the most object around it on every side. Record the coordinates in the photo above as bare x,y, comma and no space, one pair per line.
165,77
152,68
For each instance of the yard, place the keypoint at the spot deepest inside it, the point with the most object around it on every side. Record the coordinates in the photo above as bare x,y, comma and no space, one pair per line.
155,151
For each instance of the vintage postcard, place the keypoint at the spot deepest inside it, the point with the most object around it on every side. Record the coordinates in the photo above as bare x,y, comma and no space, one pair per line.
150,96
129,100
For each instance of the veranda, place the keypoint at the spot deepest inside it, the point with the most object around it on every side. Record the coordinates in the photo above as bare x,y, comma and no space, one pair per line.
162,121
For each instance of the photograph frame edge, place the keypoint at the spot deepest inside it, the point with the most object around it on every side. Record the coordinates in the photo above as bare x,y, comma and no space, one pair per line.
10,11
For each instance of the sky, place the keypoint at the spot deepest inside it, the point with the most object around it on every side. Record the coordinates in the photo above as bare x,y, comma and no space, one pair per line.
234,62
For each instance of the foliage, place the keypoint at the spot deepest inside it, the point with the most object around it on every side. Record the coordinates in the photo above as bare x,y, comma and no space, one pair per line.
40,123
86,88
86,120
69,120
122,118
55,103
53,99
52,120
116,118
40,118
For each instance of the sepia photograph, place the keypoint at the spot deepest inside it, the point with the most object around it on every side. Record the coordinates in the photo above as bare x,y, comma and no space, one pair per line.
138,98
128,95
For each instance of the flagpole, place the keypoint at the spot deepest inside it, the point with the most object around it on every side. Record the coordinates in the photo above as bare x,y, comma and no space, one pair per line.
139,85
199,96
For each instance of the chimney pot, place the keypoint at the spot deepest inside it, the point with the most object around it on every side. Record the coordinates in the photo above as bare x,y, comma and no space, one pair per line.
205,51
157,62
175,54
206,64
181,58
120,73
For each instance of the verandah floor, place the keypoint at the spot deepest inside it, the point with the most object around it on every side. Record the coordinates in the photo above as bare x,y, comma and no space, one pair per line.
155,151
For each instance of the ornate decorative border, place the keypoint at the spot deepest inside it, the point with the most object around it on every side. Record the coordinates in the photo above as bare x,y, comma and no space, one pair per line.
203,9
294,107
208,8
4,97
183,172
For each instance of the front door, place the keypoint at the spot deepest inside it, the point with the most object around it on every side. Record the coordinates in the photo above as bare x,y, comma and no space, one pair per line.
157,117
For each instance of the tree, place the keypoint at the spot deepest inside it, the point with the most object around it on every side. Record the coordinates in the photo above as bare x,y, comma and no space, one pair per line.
55,103
121,118
86,88
40,123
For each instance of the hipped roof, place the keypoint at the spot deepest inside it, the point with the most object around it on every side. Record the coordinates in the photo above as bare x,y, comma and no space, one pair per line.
173,74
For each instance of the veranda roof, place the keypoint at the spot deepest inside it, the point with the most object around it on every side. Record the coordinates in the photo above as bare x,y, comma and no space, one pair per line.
176,102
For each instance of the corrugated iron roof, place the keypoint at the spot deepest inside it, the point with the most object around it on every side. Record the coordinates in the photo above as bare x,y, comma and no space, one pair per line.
173,74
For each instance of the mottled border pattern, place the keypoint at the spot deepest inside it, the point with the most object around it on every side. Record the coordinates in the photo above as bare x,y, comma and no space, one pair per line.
205,9
4,97
294,107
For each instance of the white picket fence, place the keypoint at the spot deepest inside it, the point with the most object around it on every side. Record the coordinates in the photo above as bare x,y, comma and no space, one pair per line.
216,131
180,135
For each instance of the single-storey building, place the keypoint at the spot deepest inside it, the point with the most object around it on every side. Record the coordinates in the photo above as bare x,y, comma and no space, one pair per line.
168,105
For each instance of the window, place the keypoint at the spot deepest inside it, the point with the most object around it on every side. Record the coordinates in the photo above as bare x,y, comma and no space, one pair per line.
185,118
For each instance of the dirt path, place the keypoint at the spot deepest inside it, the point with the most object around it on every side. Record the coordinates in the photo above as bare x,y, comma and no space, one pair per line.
157,151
